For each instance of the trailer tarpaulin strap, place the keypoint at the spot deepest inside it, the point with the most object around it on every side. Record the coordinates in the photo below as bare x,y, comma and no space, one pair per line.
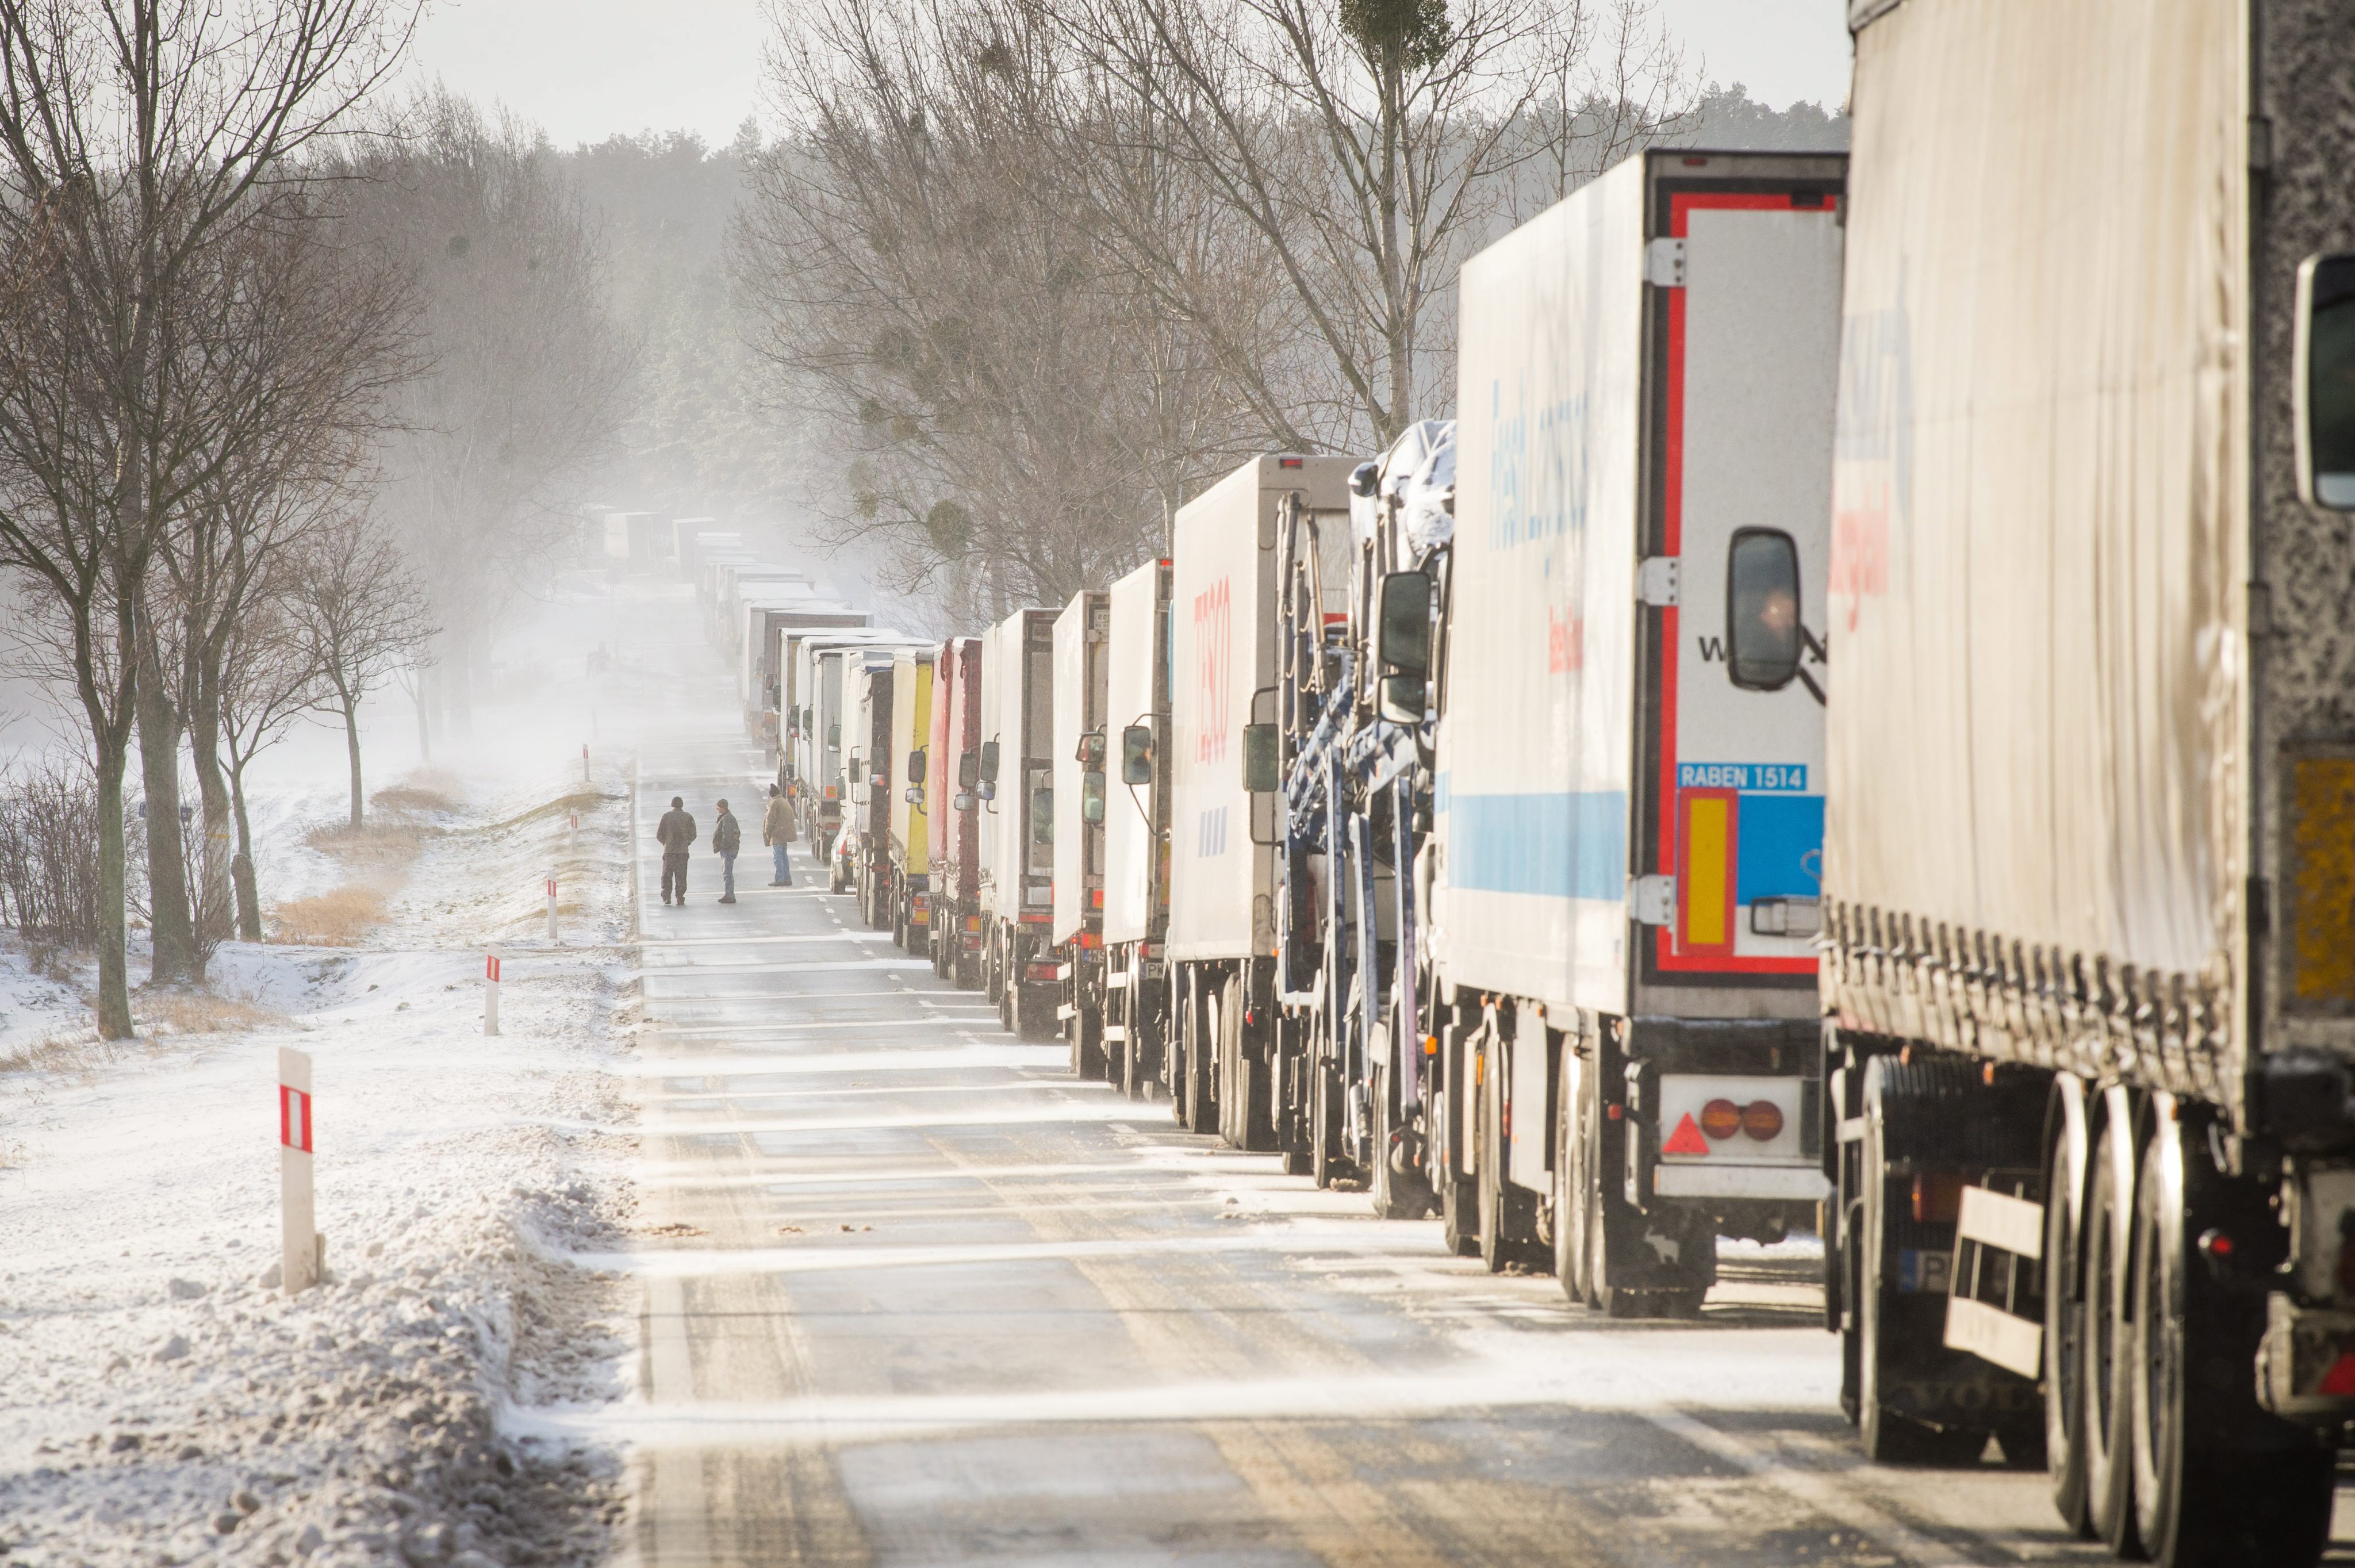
2040,510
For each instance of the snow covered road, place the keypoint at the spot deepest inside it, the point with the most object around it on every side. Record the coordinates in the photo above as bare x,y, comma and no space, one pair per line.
915,1294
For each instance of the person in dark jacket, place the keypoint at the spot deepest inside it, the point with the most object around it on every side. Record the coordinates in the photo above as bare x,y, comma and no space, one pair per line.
675,834
777,833
727,837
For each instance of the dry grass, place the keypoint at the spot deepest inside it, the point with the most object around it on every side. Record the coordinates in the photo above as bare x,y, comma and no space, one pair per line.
410,799
581,800
200,1012
339,917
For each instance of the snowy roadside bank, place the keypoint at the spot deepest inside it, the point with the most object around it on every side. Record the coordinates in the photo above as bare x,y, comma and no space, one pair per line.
165,1405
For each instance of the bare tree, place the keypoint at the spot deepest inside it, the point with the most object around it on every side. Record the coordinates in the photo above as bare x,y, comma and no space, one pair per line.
320,327
1017,419
135,135
268,677
359,612
1369,146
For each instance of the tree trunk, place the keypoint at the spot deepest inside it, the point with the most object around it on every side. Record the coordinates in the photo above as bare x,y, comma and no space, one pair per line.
213,897
352,744
174,958
113,956
240,867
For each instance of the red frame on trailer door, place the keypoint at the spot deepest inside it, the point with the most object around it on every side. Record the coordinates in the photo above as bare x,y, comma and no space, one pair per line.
1668,955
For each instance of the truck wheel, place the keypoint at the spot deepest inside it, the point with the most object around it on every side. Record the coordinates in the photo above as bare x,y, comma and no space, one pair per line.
2065,1309
1459,1202
2215,1478
1084,1028
2104,1348
1507,1212
1398,1193
1891,1436
940,960
1572,1178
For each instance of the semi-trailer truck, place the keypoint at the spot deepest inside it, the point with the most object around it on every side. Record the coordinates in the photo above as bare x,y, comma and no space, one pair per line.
1015,775
908,892
1624,858
955,809
1227,1062
1136,829
1082,644
2089,964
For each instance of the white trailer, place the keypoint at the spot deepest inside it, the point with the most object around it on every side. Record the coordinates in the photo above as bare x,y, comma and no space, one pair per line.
1626,853
1136,822
1082,644
2090,858
1224,1069
1018,856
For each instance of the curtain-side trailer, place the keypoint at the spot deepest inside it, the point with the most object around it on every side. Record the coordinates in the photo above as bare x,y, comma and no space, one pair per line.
1136,828
2090,859
1082,646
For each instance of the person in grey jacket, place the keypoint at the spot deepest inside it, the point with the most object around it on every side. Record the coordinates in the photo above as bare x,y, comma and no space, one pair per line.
675,834
727,837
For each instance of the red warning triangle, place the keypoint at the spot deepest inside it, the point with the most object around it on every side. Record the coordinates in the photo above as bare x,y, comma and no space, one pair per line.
1686,1139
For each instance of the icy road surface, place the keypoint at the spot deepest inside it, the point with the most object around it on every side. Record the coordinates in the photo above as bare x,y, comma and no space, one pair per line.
931,1300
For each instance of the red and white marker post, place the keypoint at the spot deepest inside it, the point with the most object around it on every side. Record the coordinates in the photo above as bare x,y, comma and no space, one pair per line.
298,1262
584,762
552,911
491,991
572,832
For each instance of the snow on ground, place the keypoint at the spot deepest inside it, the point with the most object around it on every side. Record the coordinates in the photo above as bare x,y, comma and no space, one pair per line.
165,1402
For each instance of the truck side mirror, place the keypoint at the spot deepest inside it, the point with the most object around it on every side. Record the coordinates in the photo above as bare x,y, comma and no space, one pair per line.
1763,637
916,767
1262,757
1136,754
2323,372
989,761
1091,797
1364,478
1403,698
834,737
962,800
1091,752
1042,817
968,770
1405,644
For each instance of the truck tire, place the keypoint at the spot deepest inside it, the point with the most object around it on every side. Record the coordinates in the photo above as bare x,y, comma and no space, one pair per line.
2065,1164
1894,1335
1508,1237
1401,1187
2216,1480
1084,1032
2103,1351
1572,1152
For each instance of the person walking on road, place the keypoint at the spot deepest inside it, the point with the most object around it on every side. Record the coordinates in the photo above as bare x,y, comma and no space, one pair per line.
777,832
675,834
727,837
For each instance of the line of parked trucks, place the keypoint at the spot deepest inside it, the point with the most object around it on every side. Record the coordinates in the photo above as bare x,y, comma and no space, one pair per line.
1489,825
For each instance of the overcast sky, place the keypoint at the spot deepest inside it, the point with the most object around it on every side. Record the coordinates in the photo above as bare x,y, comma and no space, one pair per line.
586,69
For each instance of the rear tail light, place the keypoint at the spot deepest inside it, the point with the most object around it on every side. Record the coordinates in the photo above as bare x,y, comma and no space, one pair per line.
1721,1119
1762,1120
1040,970
1937,1198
